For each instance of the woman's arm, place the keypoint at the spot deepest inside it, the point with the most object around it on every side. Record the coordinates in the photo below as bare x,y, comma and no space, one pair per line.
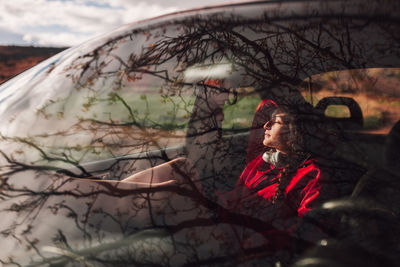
180,170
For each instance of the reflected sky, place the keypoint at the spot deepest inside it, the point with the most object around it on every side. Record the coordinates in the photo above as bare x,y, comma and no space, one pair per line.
69,22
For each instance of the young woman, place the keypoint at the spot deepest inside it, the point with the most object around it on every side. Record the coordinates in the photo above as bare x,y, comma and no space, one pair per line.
287,179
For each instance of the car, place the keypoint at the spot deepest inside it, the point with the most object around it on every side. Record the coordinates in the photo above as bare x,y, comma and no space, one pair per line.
118,152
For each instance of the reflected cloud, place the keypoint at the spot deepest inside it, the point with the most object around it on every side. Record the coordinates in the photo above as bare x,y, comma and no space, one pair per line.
201,72
80,20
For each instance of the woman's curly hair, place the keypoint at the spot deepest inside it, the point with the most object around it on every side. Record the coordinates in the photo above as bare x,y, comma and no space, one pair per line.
305,139
308,135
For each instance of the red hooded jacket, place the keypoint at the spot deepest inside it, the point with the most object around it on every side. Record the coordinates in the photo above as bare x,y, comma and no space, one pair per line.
302,191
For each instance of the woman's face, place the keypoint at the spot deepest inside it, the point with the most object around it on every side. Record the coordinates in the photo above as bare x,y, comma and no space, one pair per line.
276,133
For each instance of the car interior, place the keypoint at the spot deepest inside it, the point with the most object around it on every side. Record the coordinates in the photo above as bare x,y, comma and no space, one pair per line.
214,159
129,140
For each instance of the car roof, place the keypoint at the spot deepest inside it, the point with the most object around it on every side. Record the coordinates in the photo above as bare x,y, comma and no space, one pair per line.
244,3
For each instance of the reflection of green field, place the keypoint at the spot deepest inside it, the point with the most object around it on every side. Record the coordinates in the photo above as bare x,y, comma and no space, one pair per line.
161,120
173,112
149,111
240,115
155,111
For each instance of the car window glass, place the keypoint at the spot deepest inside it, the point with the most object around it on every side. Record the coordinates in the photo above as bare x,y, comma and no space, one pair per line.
239,112
364,106
112,107
374,90
337,111
197,88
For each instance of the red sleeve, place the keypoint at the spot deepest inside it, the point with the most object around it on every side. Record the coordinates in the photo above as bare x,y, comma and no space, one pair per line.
311,192
317,190
310,188
250,170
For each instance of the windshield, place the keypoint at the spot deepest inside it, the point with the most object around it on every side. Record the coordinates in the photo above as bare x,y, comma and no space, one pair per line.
150,145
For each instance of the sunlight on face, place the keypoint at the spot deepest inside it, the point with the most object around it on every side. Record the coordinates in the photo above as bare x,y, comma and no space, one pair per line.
276,133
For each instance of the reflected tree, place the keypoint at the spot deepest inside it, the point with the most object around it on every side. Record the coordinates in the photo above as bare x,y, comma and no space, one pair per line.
70,189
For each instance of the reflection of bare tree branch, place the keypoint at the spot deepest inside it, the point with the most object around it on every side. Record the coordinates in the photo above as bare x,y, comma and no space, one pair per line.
272,54
17,166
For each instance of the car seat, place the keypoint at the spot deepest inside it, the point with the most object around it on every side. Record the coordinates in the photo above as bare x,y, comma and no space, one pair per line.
355,121
382,185
392,148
